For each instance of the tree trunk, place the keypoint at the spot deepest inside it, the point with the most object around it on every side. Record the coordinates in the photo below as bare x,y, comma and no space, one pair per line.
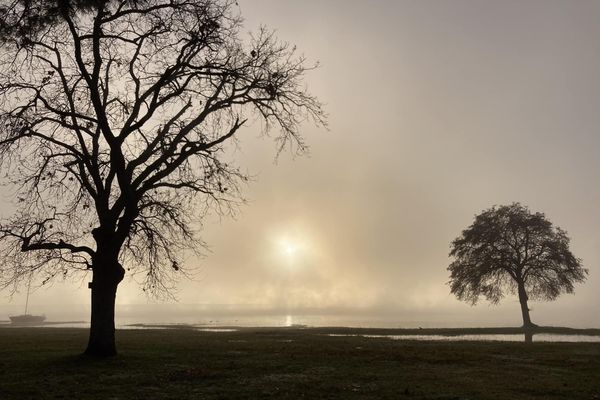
102,327
524,307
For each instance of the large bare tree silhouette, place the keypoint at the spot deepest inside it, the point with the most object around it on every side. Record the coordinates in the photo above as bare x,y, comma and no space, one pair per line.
114,118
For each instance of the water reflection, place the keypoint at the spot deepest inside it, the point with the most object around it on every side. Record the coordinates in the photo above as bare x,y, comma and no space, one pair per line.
540,337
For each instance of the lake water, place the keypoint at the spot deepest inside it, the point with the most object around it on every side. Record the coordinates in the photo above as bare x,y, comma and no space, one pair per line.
540,337
227,324
205,319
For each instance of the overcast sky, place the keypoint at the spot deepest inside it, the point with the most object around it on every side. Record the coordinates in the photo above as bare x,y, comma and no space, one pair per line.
437,110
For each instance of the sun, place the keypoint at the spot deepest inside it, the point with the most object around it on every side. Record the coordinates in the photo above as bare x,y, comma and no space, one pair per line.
289,248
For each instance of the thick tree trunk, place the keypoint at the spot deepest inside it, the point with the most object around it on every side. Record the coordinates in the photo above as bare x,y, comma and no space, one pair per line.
524,306
102,328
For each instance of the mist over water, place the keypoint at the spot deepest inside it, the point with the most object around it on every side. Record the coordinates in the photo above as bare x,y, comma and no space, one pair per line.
249,316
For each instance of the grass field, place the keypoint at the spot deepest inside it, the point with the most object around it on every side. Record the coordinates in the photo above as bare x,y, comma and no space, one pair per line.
280,363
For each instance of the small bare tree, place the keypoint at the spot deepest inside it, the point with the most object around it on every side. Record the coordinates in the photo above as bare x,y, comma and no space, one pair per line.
114,118
509,248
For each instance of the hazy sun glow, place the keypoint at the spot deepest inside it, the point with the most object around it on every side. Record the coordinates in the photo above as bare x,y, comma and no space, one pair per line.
289,248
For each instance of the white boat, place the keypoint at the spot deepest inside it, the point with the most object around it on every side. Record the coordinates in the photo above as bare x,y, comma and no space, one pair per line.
27,319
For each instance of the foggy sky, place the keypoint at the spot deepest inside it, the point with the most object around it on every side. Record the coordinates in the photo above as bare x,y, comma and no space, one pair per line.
437,110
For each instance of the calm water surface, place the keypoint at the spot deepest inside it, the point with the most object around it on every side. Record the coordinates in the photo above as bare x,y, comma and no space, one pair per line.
540,337
218,323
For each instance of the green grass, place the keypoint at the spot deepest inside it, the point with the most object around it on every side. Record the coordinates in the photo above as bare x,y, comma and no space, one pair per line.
42,363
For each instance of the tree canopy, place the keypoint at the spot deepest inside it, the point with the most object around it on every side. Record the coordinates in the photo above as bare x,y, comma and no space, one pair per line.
509,249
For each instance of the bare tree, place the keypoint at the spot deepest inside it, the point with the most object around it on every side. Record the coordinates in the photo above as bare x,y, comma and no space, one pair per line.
114,120
508,248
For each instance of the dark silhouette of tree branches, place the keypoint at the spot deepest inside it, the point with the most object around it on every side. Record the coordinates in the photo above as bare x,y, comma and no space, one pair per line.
114,119
508,248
